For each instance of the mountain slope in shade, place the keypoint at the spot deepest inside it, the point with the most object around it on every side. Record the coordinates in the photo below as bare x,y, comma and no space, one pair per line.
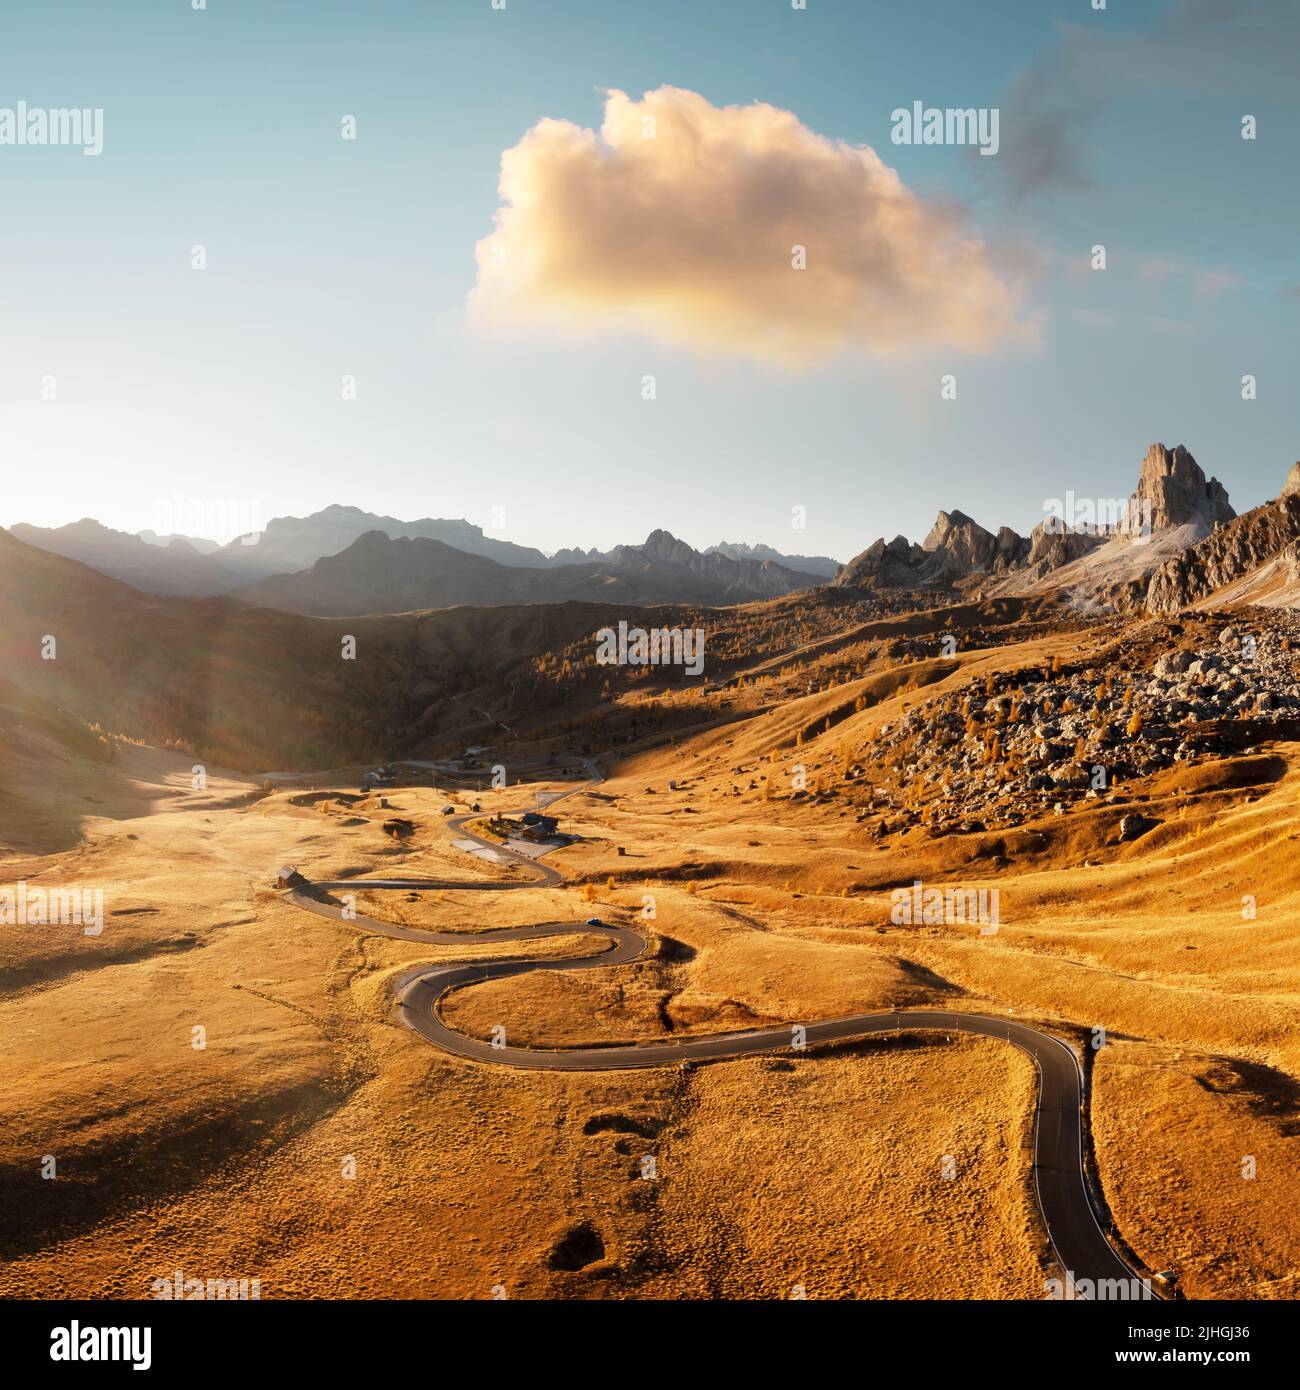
663,569
1252,559
733,581
251,688
749,570
378,574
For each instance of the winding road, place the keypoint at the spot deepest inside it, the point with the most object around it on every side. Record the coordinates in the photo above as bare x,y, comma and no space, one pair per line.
1075,1233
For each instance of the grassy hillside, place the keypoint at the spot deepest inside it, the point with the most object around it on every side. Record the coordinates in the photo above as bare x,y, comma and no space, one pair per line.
259,690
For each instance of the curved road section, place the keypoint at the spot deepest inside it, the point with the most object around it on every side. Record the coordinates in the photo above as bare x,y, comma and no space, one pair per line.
1076,1235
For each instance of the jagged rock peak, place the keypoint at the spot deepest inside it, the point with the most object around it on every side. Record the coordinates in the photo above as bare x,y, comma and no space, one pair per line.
968,545
1173,487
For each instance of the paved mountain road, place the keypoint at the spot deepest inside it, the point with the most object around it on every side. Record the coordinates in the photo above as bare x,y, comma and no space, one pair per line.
1076,1236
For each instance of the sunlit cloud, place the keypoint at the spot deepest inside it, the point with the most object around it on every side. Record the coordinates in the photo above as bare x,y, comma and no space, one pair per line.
683,220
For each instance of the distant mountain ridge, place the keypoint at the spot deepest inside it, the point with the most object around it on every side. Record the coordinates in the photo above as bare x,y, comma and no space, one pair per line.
199,543
379,574
821,565
182,566
177,568
663,569
292,543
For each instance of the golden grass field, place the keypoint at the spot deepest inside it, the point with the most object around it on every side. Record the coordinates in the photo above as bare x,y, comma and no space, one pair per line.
817,1173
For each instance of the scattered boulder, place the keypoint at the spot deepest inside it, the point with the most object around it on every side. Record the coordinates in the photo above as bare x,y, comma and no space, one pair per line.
1014,745
1134,825
1172,664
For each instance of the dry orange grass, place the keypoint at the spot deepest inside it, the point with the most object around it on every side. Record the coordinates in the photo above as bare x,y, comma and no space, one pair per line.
1199,1156
232,1161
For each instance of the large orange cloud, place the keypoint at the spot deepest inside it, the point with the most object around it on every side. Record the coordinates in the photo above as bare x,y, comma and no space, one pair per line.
680,220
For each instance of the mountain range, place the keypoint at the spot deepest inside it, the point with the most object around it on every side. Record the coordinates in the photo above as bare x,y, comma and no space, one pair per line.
1173,510
380,574
1175,541
820,566
254,674
430,563
183,565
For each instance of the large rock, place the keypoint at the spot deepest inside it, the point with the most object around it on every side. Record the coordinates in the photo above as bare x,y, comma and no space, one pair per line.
884,564
1172,664
1051,545
1174,488
1011,549
964,539
1134,825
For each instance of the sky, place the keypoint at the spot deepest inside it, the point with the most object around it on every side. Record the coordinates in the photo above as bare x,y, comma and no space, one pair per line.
502,259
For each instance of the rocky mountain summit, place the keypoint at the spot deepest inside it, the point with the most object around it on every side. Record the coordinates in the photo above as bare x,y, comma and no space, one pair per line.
968,547
1173,498
1053,546
956,547
1173,488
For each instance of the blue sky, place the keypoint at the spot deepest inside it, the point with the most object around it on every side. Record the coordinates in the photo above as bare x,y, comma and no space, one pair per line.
328,257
